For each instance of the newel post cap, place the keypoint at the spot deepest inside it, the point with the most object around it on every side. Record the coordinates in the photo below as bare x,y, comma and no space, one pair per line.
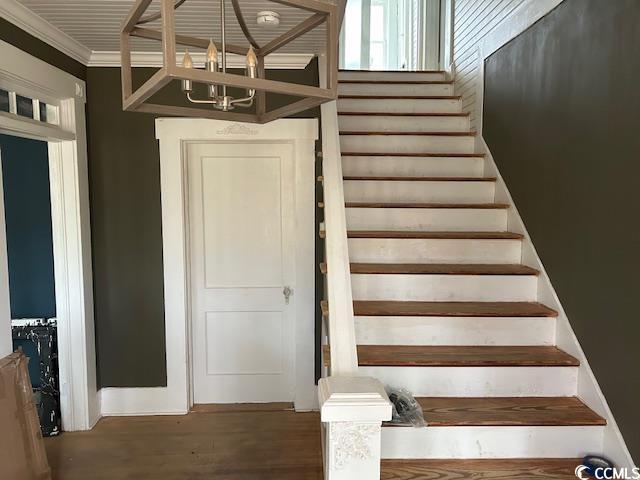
353,399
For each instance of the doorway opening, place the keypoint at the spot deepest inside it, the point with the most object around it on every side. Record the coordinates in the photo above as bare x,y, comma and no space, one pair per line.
26,201
391,35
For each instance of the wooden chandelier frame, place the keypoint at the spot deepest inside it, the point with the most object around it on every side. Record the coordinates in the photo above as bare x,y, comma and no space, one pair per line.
323,12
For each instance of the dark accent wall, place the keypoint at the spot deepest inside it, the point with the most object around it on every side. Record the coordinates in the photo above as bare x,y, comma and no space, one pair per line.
124,181
39,49
27,209
561,119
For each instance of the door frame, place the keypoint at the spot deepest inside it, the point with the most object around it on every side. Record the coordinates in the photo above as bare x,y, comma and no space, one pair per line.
174,134
69,184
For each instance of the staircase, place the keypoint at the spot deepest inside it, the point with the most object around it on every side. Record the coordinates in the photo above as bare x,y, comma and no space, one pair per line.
443,305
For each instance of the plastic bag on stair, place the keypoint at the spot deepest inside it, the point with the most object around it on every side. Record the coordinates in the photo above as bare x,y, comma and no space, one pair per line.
406,409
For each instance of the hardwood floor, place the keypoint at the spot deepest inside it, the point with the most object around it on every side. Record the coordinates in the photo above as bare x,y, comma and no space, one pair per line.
236,445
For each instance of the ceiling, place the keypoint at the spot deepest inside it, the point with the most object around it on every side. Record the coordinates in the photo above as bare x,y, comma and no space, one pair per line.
96,23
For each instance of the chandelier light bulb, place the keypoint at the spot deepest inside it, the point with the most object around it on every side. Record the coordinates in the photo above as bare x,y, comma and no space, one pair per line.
212,52
187,61
252,59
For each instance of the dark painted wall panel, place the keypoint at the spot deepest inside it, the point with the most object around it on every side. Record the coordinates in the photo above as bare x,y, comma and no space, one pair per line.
27,205
124,171
561,119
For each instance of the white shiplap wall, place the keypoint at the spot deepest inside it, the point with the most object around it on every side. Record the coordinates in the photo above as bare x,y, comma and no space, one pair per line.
473,20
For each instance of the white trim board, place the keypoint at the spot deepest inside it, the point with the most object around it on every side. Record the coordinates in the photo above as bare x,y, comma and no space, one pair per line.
176,397
69,183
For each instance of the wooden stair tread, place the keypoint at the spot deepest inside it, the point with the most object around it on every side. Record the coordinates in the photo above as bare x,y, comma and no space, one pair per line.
408,114
484,469
435,235
509,411
375,308
400,82
376,72
442,269
401,97
418,178
474,206
412,154
415,134
463,356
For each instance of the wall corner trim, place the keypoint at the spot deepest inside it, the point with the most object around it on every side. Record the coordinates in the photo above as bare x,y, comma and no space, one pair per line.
37,26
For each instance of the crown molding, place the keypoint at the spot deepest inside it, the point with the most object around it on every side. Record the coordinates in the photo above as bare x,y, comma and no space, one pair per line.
37,26
291,61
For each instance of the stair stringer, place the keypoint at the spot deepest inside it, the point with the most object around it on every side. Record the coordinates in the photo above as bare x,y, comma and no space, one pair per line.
613,444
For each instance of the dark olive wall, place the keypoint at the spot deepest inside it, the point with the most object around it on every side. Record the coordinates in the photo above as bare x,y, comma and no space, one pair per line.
124,176
561,119
36,47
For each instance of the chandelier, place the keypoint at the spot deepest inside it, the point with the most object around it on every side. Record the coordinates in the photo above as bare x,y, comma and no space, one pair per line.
251,105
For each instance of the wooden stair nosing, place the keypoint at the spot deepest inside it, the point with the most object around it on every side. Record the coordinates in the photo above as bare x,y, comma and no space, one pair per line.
383,308
453,206
438,269
460,356
398,82
407,114
409,178
413,154
375,72
483,469
506,411
414,134
428,235
400,97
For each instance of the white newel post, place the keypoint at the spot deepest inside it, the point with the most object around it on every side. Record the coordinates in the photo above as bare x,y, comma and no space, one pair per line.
352,410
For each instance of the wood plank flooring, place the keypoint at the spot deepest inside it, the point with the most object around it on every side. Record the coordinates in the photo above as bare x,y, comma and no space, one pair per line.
222,446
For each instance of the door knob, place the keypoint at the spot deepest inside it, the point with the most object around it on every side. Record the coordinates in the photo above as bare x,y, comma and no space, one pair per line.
287,292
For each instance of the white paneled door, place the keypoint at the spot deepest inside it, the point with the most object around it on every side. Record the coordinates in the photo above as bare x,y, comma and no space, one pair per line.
241,220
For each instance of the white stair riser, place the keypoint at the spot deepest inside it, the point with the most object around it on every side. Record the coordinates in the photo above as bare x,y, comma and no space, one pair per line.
479,381
400,105
491,442
445,288
419,191
393,76
407,144
427,219
397,89
505,331
377,123
413,166
418,250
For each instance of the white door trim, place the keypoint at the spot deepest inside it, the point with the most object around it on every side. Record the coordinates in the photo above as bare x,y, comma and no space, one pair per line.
173,133
70,223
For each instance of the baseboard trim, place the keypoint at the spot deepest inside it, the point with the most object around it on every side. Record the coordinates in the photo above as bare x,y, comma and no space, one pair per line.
140,401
